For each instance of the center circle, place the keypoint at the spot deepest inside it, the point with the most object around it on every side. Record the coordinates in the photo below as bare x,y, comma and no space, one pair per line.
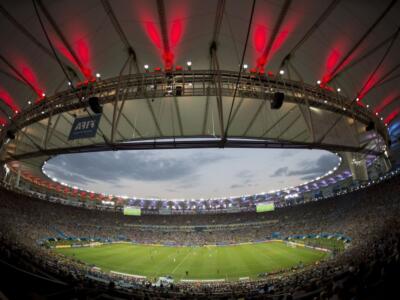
189,173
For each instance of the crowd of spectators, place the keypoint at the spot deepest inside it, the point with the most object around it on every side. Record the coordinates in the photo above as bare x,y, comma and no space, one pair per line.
368,216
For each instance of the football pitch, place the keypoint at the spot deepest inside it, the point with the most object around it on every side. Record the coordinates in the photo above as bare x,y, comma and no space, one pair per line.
207,262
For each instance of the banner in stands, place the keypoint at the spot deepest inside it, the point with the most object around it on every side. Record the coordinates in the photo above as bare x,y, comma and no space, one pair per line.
84,127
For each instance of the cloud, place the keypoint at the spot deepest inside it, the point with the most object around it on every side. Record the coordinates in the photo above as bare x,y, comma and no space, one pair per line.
323,164
309,169
236,186
245,174
283,171
137,165
308,177
246,183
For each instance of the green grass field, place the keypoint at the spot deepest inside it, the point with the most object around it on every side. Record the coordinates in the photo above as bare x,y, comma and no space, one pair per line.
208,262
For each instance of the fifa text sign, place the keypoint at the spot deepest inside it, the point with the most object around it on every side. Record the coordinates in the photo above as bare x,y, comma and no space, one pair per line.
84,127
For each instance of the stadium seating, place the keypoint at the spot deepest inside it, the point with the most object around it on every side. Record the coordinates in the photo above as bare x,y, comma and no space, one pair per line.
364,215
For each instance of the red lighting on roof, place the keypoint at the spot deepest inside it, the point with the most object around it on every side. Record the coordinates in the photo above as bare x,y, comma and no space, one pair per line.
153,34
368,85
259,38
3,122
175,33
82,50
331,61
386,101
168,58
8,100
31,77
392,115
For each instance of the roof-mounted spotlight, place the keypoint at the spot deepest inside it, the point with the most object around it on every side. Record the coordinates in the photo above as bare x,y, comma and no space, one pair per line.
29,102
98,75
69,83
338,89
146,67
189,64
318,82
245,66
281,72
43,95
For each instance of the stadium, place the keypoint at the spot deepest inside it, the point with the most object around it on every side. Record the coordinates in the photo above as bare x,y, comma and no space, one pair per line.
215,149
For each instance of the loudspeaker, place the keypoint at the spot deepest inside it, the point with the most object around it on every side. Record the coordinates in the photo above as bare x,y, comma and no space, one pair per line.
10,134
277,100
178,91
370,126
95,105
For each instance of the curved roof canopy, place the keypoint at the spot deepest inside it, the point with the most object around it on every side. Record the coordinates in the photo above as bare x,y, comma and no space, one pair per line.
166,71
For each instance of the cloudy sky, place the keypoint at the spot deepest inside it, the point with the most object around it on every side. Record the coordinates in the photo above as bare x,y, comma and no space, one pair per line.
190,173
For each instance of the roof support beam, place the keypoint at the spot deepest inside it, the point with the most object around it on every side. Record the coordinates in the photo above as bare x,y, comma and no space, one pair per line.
254,118
336,71
278,121
31,37
275,31
311,31
281,144
289,126
369,53
309,121
61,35
240,71
178,115
118,28
19,74
379,63
116,100
213,55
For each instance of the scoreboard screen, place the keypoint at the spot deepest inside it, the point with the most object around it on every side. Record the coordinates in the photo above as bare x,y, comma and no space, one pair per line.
132,211
265,206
